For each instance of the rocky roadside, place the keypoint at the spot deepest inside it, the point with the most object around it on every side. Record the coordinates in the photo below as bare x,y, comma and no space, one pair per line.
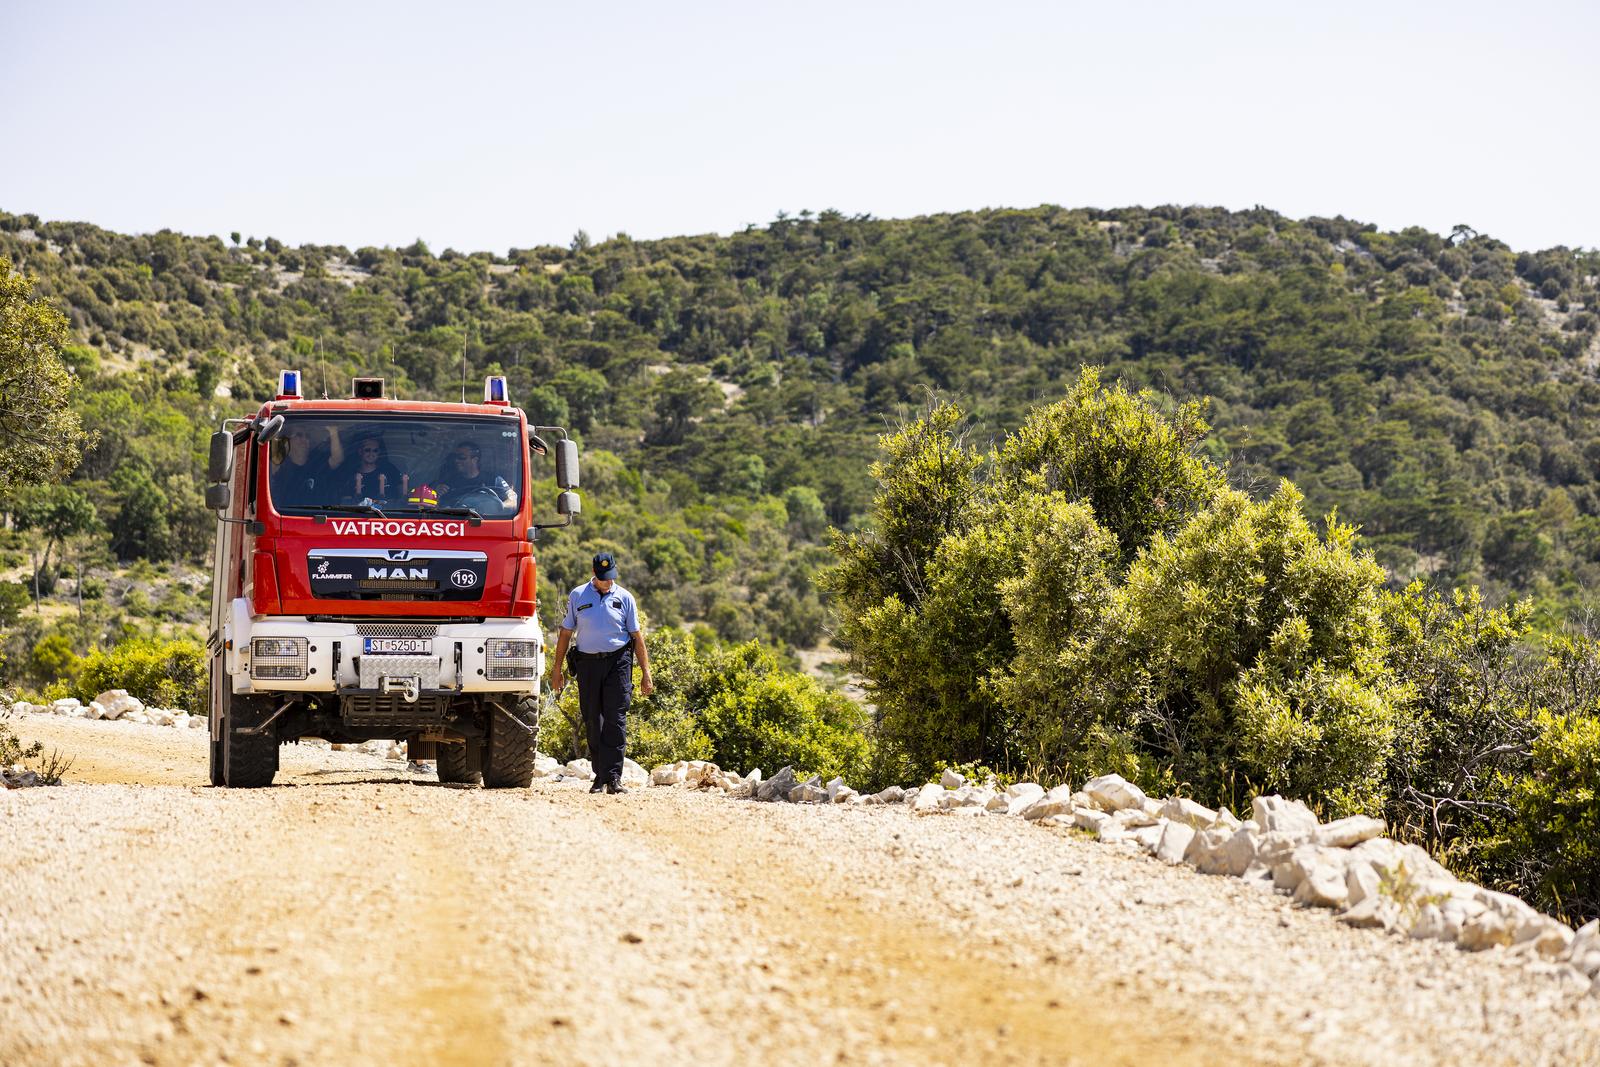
1346,865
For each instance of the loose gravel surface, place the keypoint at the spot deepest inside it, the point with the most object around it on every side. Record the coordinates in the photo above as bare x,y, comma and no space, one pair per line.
361,914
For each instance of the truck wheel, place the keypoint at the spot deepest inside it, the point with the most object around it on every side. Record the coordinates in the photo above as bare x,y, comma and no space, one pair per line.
453,765
508,763
248,760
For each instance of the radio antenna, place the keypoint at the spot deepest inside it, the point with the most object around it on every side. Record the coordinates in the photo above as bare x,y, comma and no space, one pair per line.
463,368
321,355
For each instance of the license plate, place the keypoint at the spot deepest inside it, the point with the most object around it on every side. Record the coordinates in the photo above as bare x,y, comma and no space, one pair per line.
397,646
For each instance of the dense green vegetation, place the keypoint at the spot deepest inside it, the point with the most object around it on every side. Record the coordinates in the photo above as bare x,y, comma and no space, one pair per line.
1112,605
1070,575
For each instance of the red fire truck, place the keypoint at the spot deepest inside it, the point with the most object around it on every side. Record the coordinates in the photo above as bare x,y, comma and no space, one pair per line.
375,580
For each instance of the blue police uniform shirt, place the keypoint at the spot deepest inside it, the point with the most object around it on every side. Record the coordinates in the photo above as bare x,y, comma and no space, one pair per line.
601,622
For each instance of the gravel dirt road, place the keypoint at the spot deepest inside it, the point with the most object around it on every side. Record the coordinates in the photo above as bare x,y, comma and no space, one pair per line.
359,914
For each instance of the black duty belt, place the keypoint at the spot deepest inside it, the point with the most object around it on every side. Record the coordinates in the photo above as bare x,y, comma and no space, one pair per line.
601,655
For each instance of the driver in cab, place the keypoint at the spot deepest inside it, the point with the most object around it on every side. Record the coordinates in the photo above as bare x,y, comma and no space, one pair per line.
464,475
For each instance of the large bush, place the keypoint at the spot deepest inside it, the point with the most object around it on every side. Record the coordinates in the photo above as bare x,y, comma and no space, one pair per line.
169,675
737,705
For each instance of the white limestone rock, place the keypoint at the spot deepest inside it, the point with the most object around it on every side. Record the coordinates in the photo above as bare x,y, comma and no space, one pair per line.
951,780
1148,838
633,774
928,800
1057,801
1371,913
97,710
1020,796
1207,853
978,798
1090,819
118,703
1174,842
1181,809
1324,883
1348,832
1225,820
1275,813
670,773
806,793
997,805
777,787
198,722
1583,951
580,768
1308,860
66,706
1361,881
1239,853
1112,792
891,795
1134,818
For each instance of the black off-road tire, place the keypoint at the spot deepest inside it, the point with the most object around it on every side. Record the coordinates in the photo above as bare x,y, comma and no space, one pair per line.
508,760
453,765
248,760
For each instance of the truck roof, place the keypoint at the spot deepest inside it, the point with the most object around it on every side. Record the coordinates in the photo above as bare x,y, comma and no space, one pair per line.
345,405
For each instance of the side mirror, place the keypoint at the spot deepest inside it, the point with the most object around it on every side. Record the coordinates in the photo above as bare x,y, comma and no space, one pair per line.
269,429
220,468
217,496
567,466
569,504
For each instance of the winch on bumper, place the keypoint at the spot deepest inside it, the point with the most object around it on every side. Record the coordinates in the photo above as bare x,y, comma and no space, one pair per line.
378,668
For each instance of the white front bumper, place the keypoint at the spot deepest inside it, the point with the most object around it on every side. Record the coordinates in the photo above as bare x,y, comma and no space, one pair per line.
341,642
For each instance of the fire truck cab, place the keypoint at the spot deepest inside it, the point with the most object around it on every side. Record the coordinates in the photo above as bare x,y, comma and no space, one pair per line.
375,579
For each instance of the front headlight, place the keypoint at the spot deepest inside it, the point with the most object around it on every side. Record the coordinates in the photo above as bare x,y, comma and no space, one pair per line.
278,657
510,660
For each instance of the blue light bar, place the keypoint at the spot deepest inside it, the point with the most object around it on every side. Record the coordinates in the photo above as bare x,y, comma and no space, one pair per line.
494,390
288,385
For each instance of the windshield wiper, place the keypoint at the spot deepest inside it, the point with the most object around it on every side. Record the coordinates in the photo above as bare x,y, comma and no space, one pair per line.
359,509
469,512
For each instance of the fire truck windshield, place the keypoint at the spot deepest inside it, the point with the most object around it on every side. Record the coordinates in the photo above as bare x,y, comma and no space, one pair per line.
405,464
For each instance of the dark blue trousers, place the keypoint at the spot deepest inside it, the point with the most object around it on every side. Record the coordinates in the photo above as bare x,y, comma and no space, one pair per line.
605,689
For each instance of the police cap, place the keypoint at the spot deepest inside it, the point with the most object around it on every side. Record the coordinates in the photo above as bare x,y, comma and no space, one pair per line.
605,567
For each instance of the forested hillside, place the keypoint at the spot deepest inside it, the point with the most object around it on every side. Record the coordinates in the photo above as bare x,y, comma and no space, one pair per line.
1438,391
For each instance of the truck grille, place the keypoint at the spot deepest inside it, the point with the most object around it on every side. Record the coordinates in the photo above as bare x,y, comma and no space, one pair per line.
397,629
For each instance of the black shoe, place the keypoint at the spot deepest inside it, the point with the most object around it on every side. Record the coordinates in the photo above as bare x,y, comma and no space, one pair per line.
615,787
598,787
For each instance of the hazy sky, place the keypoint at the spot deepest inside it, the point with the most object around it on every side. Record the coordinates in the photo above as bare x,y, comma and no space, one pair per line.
481,125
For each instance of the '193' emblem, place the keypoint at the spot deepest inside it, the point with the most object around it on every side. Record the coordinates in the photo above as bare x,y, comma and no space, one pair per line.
464,579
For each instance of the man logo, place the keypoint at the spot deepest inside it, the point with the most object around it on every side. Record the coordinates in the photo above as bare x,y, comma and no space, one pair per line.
407,573
464,579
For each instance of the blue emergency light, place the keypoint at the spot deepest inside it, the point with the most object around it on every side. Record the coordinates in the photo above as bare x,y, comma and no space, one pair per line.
494,390
288,385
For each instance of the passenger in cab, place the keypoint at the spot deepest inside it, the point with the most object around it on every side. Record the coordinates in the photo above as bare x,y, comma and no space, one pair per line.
303,465
370,475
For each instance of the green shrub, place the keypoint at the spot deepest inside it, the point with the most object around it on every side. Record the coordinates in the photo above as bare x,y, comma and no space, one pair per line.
757,714
1553,840
1247,644
170,675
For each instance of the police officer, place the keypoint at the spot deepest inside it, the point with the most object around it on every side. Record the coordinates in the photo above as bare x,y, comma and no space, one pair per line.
606,620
